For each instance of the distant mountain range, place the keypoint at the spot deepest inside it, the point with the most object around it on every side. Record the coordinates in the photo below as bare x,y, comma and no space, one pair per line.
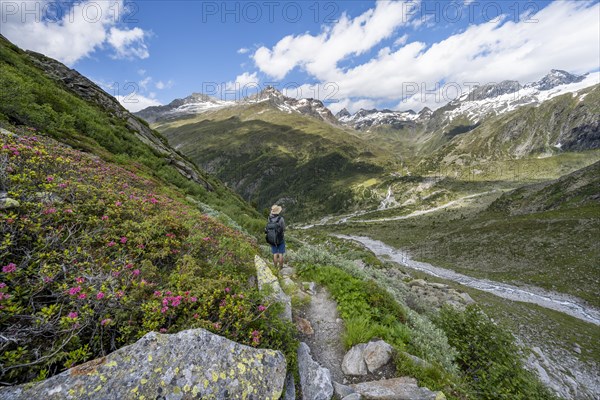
198,103
481,102
271,147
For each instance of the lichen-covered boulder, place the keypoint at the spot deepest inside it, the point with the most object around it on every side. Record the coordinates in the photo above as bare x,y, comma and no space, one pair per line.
267,279
353,363
192,364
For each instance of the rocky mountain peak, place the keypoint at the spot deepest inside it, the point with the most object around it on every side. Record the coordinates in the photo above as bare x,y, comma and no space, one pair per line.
556,77
343,113
268,93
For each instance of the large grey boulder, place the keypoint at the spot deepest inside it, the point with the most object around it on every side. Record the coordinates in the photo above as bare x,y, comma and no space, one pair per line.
404,388
365,358
342,391
189,364
315,380
353,363
377,354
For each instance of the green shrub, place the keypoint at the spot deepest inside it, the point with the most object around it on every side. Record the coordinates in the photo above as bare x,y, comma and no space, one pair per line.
488,357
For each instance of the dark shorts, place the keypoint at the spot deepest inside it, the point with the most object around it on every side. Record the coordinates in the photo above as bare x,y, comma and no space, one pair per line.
278,249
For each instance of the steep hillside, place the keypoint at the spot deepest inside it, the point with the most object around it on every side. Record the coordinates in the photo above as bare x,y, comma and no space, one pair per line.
565,123
42,93
578,189
269,155
108,233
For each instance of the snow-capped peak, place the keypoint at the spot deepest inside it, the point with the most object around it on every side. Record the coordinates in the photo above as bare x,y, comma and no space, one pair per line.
555,78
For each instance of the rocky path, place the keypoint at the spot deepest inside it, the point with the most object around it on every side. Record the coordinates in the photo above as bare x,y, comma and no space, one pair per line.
326,340
326,370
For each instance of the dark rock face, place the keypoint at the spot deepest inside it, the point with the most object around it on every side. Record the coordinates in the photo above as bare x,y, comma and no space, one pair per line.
583,137
342,113
494,90
555,78
190,364
89,91
309,106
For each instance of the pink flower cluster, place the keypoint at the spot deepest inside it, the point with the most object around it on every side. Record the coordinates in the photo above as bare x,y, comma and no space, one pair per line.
10,267
255,337
74,290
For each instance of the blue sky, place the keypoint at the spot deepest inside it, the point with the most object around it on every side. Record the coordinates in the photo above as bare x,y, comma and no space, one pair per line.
395,54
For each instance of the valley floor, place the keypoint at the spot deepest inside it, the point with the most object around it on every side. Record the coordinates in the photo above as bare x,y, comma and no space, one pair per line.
560,329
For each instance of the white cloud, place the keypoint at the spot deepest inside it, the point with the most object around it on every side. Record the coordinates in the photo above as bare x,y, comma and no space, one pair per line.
70,32
141,72
160,85
348,37
144,82
566,36
136,102
244,81
401,41
243,50
128,43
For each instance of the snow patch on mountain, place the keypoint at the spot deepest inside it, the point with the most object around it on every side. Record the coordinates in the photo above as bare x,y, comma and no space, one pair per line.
534,94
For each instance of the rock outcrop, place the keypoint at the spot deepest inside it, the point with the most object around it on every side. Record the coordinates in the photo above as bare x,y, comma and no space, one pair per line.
267,279
436,295
189,364
365,358
396,389
315,380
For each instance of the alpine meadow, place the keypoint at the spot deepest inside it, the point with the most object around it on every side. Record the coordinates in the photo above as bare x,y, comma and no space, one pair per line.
383,200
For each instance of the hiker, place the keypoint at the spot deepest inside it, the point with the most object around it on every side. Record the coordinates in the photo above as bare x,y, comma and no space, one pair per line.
275,235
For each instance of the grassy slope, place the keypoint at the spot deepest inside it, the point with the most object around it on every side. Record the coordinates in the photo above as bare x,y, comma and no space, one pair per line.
267,155
106,232
29,97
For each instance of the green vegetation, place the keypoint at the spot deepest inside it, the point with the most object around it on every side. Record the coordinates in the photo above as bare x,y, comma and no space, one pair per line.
95,256
488,356
369,311
485,366
533,235
268,155
30,98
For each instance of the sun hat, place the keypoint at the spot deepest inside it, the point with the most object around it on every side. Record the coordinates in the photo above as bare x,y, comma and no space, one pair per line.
276,210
